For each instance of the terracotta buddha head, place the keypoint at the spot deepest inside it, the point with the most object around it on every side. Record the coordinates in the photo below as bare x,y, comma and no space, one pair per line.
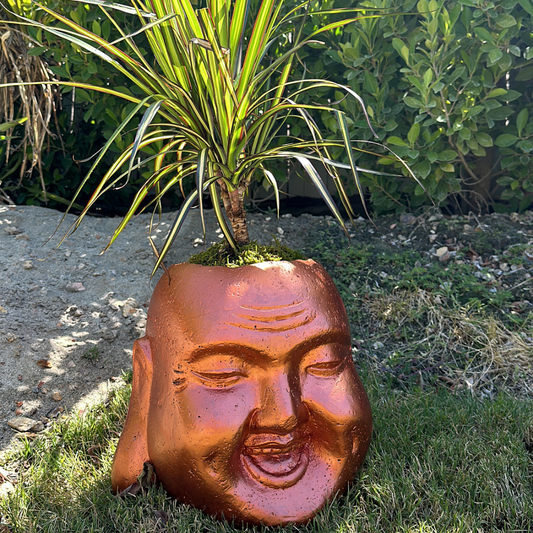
245,398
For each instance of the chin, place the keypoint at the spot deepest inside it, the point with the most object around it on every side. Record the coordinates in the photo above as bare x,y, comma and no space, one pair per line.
277,491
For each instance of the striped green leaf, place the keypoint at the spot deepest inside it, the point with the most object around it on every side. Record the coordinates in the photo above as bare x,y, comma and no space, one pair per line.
201,167
178,223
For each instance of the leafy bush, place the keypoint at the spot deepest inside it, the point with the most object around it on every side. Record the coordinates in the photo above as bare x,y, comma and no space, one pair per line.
447,88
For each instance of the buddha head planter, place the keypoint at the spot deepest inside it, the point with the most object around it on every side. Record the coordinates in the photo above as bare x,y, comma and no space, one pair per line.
245,398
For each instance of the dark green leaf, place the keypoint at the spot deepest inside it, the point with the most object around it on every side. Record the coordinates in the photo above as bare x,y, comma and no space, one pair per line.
525,74
525,145
36,50
521,120
483,34
501,113
447,155
505,140
504,20
484,139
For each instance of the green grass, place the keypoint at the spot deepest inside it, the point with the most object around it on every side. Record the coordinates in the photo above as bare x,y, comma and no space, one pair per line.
438,462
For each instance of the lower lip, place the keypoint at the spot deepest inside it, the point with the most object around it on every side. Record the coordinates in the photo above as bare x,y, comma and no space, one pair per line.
278,471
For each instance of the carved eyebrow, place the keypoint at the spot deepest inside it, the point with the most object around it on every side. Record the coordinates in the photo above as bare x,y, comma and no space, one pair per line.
247,353
254,356
321,339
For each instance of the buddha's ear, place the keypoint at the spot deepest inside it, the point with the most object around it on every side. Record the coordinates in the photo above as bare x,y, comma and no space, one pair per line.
132,448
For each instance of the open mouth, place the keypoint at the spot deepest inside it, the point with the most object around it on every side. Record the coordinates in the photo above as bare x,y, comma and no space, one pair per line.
276,464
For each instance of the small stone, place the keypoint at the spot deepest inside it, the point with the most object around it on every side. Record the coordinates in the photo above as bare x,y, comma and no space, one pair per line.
407,218
27,265
10,337
71,364
38,427
280,231
129,307
6,488
446,257
441,251
504,267
107,335
74,287
28,435
23,237
11,230
268,219
55,412
57,397
22,423
432,238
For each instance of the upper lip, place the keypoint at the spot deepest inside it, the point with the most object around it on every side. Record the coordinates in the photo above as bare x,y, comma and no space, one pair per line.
270,444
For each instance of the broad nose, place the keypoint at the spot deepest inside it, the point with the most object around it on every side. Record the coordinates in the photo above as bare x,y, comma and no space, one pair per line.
281,407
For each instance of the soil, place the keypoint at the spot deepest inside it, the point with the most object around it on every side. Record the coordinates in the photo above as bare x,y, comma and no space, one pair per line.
69,315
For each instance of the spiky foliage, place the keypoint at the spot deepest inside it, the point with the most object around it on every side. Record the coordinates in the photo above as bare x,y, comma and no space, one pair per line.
213,103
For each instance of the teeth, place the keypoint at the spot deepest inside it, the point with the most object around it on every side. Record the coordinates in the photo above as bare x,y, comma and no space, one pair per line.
253,450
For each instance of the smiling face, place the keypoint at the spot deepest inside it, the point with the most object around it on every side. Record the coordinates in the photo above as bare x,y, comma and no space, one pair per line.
256,410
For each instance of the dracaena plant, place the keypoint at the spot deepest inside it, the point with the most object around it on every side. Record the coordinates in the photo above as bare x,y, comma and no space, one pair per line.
214,102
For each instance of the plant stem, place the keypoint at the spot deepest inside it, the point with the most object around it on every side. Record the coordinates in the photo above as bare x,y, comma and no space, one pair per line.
234,207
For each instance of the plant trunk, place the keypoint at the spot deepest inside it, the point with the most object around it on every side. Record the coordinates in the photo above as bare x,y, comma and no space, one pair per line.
234,206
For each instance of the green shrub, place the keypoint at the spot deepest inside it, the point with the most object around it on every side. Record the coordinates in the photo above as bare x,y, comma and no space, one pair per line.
446,84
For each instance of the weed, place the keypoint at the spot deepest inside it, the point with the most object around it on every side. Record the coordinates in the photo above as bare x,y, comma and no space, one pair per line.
92,354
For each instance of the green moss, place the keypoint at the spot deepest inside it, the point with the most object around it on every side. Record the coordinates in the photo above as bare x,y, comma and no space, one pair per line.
221,255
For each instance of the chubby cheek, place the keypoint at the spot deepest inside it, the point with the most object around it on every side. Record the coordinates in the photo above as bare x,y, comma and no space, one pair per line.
338,406
200,423
218,413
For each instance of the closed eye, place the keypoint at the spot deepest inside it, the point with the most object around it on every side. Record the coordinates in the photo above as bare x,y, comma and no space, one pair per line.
220,379
326,369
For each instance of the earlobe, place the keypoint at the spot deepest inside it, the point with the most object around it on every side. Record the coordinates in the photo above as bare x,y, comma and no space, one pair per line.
132,449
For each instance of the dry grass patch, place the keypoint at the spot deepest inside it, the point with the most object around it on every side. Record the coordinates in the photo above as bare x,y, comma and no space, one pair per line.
464,346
